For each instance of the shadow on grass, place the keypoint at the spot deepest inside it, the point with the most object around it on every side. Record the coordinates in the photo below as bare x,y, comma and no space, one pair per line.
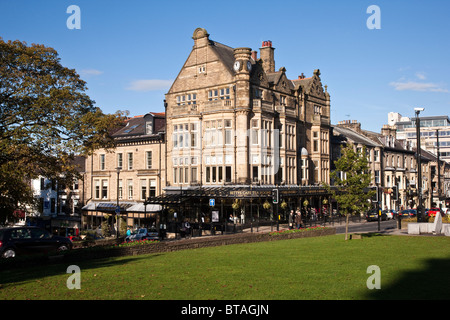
430,283
36,272
373,234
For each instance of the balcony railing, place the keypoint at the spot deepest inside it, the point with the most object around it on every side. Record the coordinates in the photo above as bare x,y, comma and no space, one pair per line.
214,105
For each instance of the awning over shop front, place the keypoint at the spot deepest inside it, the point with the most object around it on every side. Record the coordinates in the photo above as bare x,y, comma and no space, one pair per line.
111,207
165,199
140,207
176,196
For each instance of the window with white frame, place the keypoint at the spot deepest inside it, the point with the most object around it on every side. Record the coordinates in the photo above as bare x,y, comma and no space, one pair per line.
119,160
219,93
143,183
130,160
255,131
228,132
152,188
102,162
186,99
376,155
148,159
317,109
104,189
120,189
377,176
130,189
97,189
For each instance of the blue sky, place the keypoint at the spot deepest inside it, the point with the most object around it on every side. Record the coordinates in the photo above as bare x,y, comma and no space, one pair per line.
130,51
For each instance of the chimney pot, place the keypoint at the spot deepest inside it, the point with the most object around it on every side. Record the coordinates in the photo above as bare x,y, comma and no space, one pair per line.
266,54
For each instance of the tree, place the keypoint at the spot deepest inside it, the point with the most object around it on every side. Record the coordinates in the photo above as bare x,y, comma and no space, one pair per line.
352,179
46,118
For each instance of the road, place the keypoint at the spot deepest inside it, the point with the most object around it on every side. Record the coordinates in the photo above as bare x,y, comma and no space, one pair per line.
365,226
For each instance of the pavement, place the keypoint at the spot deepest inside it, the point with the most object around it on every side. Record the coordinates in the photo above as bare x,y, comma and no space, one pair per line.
359,227
353,228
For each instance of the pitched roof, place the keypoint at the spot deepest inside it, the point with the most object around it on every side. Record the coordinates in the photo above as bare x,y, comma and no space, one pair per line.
343,134
136,126
225,54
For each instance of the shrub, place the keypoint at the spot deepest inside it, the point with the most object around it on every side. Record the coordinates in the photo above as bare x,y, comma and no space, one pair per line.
289,231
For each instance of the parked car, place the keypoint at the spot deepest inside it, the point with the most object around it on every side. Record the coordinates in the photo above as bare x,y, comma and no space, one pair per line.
372,215
390,214
408,213
144,234
433,211
18,241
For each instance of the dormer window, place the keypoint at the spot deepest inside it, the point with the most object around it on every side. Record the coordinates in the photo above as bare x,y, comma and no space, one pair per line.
149,127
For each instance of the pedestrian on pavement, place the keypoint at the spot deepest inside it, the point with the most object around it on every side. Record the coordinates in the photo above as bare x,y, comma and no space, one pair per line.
187,227
291,219
298,220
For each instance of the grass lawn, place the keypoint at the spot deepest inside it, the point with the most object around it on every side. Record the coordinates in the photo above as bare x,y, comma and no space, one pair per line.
310,268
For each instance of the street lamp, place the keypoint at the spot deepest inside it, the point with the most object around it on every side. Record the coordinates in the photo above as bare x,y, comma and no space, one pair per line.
419,165
439,169
117,207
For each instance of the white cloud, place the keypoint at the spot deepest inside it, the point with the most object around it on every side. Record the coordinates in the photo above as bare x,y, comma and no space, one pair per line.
421,75
150,85
91,72
417,86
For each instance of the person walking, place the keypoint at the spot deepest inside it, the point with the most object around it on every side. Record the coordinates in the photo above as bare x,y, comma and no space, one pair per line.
298,220
187,228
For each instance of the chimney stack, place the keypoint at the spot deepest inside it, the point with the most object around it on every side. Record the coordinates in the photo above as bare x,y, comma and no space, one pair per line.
255,55
267,56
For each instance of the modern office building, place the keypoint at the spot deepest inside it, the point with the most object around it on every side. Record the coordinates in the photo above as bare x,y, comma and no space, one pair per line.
432,129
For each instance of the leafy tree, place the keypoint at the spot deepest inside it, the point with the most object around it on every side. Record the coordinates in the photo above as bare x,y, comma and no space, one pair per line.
352,178
46,118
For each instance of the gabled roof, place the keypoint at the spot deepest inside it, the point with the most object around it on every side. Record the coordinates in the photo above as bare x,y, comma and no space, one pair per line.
275,78
305,83
224,53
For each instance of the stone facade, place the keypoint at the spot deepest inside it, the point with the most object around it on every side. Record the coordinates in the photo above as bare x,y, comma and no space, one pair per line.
392,162
233,119
130,173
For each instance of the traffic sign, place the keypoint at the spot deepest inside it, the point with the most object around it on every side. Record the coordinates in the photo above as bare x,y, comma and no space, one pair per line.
117,210
212,202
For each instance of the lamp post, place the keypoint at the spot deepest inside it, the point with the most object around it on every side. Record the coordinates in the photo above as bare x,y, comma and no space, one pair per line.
439,169
118,207
419,165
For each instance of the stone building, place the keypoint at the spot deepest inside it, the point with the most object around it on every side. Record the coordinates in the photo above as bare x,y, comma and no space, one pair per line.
127,175
237,128
393,162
